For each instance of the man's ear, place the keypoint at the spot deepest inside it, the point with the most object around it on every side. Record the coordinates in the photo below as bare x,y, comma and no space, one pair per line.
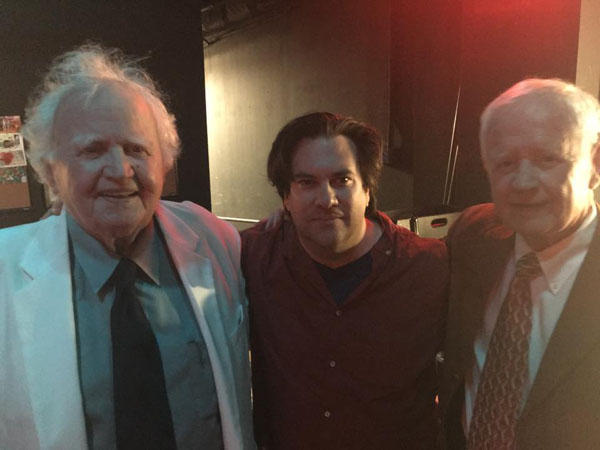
595,178
285,203
368,192
49,177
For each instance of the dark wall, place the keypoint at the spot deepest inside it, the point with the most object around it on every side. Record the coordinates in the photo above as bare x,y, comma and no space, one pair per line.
484,47
425,72
34,32
502,43
320,56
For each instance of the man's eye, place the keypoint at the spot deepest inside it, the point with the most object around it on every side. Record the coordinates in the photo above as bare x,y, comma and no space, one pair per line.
135,149
91,151
342,181
548,161
505,164
303,182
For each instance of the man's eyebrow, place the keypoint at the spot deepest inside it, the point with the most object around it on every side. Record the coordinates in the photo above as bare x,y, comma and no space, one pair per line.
139,140
82,140
339,173
343,173
301,175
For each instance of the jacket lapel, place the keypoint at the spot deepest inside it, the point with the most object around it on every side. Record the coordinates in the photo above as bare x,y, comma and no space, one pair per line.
576,331
47,334
486,261
196,273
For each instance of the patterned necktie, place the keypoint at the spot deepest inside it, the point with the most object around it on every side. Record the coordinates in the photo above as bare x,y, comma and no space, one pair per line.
500,393
142,414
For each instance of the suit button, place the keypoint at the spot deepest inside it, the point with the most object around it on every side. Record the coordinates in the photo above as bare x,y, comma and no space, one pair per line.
327,414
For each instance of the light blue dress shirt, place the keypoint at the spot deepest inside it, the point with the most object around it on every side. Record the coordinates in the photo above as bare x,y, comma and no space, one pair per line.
188,374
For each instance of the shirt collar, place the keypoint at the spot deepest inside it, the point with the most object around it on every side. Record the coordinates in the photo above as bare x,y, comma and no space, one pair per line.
98,265
559,261
146,252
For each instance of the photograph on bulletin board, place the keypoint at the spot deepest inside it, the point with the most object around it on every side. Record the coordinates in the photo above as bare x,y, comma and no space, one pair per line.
14,189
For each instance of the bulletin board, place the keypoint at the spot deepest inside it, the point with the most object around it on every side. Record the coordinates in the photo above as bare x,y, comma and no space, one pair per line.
14,188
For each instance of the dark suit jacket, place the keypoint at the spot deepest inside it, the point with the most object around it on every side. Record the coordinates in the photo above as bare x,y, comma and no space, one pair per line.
563,408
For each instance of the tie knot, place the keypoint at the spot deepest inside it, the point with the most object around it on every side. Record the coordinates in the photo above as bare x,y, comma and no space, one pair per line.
125,272
528,267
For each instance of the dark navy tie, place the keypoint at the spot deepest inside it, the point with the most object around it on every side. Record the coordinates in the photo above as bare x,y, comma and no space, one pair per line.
142,413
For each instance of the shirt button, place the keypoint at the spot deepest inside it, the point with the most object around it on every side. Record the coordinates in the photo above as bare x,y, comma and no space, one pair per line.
338,313
327,414
331,363
388,252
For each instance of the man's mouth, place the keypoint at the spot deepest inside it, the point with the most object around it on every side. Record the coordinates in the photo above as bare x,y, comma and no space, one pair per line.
327,218
118,195
527,206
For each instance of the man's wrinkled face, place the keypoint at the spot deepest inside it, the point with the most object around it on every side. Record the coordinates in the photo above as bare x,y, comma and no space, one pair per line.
327,199
541,175
107,166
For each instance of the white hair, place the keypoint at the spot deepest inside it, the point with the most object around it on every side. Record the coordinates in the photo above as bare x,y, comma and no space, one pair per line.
87,68
579,110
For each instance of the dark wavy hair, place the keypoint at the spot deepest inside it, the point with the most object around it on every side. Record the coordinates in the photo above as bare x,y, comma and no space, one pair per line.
366,139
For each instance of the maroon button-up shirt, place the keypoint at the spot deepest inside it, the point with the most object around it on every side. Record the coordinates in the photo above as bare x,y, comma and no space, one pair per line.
356,376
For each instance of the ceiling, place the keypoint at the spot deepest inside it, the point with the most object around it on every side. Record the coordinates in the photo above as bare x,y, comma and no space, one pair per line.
223,17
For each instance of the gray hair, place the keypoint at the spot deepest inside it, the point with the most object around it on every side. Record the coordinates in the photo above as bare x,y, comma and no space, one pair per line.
578,109
87,68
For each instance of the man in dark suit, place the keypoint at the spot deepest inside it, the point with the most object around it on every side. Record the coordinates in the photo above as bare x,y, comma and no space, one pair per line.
522,354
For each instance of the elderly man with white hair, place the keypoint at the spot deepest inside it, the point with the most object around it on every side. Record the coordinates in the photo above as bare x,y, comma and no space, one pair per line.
123,319
522,354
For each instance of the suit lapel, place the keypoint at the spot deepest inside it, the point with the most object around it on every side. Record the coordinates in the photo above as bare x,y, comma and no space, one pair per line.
194,269
196,273
576,331
486,261
47,333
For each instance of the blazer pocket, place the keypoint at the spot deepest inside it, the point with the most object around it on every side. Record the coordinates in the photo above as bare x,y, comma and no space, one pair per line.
240,328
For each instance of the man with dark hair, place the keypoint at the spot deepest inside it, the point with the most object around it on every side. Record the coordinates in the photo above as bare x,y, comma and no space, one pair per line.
366,140
347,309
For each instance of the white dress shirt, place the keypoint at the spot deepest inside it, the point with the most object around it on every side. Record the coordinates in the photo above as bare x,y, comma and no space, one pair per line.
560,264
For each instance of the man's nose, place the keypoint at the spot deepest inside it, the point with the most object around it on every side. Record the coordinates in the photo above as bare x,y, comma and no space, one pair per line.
118,164
525,176
327,196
